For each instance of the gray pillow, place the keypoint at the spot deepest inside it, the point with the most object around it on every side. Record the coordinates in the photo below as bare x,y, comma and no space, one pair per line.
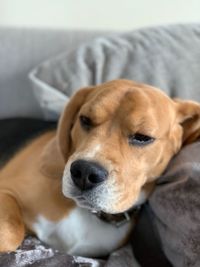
167,57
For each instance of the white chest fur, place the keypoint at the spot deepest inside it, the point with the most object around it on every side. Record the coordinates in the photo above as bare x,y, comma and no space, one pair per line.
81,233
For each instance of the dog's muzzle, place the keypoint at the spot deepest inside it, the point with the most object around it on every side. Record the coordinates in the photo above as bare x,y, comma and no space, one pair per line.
87,174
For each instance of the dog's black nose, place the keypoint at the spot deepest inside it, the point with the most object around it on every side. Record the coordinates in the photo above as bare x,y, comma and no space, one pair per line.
86,174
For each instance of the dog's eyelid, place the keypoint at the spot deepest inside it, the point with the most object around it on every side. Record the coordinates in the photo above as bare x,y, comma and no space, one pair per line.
140,139
85,122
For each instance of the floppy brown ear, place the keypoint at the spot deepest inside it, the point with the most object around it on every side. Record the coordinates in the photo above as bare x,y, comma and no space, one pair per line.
51,162
67,120
188,114
56,152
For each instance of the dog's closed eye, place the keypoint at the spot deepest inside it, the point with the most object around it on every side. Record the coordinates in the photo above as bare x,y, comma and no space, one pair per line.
85,122
140,139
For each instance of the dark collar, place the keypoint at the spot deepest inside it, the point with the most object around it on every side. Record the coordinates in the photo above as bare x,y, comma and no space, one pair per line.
117,219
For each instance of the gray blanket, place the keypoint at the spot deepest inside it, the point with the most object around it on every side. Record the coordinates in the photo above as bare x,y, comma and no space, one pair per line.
34,253
176,206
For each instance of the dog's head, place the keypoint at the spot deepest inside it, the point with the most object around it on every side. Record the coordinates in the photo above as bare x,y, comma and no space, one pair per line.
117,137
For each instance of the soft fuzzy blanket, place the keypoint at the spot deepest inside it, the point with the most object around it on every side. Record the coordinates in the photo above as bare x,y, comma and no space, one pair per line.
176,207
34,253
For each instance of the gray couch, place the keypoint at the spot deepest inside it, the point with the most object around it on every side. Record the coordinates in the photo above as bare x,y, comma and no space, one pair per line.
20,51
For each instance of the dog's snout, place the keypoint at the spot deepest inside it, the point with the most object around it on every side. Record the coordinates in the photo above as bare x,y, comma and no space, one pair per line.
87,174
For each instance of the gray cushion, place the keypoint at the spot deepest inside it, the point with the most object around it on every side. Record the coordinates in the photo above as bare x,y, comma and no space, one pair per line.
167,57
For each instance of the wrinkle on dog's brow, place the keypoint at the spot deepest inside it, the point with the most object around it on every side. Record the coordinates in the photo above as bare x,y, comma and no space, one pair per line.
143,126
101,108
133,112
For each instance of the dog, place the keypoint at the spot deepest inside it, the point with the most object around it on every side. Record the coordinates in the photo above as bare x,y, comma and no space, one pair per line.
112,142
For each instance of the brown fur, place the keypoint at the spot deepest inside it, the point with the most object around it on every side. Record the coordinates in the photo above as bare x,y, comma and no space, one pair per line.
30,184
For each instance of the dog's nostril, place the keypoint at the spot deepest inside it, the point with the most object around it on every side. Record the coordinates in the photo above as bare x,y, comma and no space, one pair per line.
93,178
75,173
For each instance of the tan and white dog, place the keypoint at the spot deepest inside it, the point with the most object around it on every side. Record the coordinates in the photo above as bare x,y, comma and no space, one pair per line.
112,142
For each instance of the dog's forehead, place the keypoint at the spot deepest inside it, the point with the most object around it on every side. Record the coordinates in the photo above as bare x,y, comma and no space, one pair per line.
125,99
103,101
139,100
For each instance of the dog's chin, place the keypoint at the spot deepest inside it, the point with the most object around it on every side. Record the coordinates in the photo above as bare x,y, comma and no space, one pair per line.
93,200
93,207
78,198
82,202
97,206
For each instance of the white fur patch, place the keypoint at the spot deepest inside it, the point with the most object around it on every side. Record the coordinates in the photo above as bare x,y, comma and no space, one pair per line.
81,233
93,151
